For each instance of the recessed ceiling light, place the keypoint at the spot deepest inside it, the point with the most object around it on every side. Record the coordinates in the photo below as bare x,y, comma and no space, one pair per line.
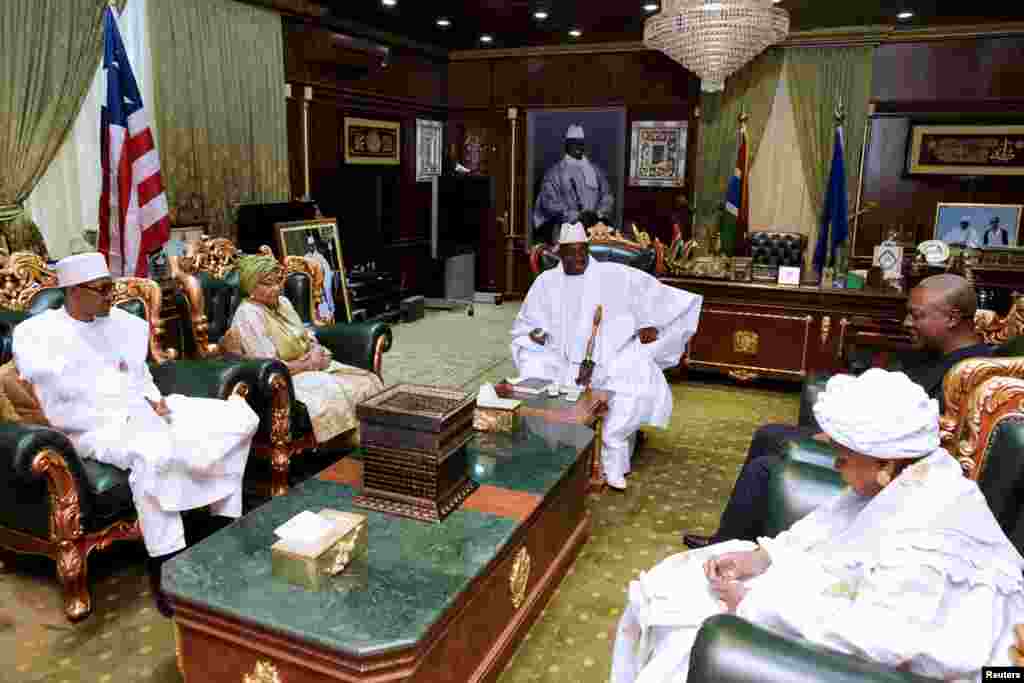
903,16
389,3
575,33
651,7
486,38
443,23
540,15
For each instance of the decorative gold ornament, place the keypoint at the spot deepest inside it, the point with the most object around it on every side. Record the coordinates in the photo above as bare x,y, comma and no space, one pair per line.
826,327
519,577
265,672
745,341
714,38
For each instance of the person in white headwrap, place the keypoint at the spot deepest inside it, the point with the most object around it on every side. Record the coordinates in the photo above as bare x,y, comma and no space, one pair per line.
87,365
644,329
908,567
962,235
575,188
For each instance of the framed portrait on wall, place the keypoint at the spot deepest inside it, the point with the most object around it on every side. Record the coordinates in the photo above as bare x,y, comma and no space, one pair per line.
318,240
977,225
966,150
575,162
657,153
429,143
372,142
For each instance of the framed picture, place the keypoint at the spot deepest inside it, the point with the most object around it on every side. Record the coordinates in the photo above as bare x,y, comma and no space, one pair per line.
318,239
889,259
966,150
181,237
429,143
657,154
977,225
558,186
372,142
789,275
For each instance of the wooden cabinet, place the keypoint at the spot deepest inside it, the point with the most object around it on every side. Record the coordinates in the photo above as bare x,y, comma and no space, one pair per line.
750,330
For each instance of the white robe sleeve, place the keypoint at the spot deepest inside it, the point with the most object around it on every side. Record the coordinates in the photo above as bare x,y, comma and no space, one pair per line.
149,388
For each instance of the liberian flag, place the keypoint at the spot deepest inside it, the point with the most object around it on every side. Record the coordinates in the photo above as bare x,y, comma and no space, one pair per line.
133,208
737,202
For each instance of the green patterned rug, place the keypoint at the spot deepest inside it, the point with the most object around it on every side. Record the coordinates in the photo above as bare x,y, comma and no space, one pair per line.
680,481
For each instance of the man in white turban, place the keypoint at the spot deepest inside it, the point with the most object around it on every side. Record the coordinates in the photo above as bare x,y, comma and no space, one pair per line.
575,188
907,567
962,235
87,365
644,329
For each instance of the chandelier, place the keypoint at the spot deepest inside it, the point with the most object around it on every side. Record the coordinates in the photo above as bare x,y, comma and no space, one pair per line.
714,38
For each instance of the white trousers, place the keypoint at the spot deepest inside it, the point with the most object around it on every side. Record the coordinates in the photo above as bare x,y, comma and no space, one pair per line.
197,459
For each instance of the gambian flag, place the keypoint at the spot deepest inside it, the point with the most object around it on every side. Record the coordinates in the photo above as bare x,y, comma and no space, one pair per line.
737,201
133,219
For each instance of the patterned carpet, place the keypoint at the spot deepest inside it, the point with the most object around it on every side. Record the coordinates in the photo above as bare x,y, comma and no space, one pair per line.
680,481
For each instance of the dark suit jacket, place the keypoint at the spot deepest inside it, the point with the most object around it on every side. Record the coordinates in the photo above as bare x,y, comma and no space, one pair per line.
1002,241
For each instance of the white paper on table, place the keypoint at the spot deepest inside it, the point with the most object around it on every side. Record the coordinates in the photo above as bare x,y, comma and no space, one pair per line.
487,397
306,528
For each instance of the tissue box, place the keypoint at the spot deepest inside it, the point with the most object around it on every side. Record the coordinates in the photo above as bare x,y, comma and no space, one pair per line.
312,567
495,419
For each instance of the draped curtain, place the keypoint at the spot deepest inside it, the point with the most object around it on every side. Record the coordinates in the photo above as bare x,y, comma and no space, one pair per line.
65,202
49,53
220,107
779,196
819,78
750,90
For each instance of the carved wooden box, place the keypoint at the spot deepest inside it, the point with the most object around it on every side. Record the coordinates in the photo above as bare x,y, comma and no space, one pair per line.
414,451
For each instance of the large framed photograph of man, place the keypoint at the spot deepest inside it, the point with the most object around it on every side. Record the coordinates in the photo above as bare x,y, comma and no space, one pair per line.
977,225
575,169
318,240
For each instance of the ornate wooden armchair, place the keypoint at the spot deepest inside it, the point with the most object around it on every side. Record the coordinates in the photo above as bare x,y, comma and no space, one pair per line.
52,502
208,277
729,649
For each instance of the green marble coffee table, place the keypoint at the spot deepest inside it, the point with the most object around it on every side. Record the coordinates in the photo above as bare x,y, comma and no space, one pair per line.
433,602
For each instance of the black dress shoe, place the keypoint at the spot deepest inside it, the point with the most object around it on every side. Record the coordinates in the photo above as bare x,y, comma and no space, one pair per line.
694,541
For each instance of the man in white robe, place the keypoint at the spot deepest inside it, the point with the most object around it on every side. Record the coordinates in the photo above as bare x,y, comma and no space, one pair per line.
87,365
645,328
326,308
908,567
575,188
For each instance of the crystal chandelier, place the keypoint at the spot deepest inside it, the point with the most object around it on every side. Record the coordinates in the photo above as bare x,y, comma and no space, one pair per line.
714,38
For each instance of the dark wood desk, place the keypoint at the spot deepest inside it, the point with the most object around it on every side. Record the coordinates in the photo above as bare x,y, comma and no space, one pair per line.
749,329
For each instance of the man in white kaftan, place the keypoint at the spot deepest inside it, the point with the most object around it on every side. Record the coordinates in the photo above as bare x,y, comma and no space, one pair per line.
87,365
645,328
908,567
574,188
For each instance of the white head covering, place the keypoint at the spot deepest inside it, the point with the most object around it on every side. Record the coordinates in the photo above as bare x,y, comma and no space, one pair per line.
572,234
965,219
880,414
575,132
74,270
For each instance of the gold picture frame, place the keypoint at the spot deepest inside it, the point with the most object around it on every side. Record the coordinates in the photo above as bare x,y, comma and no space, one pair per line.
950,217
318,238
966,150
372,142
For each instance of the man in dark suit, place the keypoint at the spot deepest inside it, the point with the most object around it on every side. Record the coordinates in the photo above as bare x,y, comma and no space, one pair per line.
995,235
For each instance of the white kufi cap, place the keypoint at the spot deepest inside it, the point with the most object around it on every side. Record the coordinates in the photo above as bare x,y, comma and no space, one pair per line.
880,414
575,132
74,270
571,234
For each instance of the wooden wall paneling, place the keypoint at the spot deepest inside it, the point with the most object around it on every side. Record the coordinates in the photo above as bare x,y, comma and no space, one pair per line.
296,161
469,84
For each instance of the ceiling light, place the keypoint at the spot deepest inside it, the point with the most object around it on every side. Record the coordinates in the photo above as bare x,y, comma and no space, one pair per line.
540,15
575,33
714,38
389,3
486,38
903,16
444,23
651,7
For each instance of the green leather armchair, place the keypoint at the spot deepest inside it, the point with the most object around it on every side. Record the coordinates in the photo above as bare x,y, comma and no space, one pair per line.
210,293
56,504
729,649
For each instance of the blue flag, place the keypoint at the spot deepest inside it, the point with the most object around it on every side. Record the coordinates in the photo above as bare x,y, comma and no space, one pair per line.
835,213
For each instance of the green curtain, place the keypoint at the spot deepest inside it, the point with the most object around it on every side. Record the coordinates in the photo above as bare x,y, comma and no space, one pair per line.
751,90
49,53
818,79
219,91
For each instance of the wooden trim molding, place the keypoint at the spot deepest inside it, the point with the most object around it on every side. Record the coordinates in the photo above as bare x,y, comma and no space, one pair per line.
831,37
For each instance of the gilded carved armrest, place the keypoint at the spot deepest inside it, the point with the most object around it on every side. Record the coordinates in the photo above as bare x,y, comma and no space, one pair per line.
21,278
147,293
996,330
958,387
992,401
